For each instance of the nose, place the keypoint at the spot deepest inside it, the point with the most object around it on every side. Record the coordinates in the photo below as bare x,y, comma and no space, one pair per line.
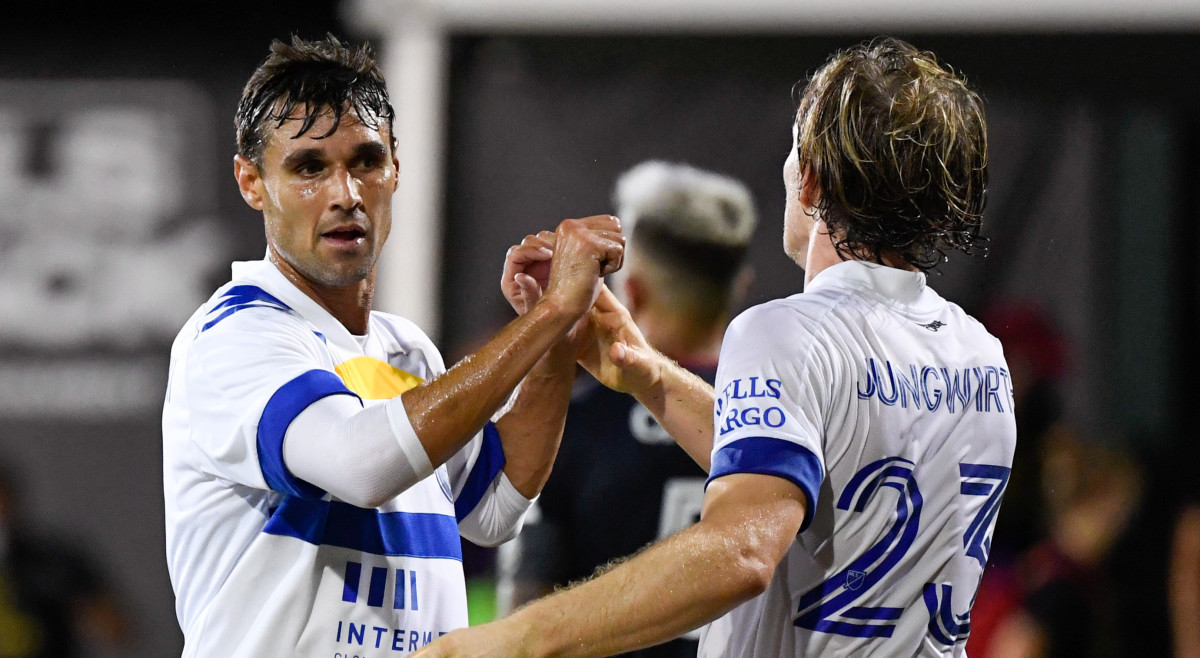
346,194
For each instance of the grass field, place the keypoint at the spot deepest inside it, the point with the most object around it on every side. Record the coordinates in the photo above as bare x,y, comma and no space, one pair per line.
481,600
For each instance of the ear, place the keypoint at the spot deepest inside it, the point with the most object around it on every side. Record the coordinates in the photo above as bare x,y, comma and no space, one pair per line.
395,149
810,190
635,293
741,286
249,181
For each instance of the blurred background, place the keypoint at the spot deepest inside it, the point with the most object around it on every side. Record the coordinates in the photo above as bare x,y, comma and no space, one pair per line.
119,215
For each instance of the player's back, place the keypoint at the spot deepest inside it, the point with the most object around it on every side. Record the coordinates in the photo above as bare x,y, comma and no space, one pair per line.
905,402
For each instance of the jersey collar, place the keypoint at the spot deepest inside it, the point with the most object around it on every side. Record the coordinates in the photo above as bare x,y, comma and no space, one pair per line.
265,274
902,286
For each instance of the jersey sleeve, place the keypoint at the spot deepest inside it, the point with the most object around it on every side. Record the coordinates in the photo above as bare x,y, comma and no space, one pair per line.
248,377
767,418
488,507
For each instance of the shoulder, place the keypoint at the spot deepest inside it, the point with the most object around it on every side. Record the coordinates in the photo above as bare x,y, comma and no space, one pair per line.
240,305
245,318
972,328
781,319
807,337
247,308
234,299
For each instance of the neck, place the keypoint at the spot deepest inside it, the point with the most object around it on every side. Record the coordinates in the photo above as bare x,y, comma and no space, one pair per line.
822,254
350,304
682,338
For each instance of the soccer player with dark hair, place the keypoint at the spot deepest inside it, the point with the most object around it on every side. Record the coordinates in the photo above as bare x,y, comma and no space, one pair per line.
320,462
862,431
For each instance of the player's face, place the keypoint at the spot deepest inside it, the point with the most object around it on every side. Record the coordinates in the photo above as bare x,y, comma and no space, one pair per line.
327,202
797,222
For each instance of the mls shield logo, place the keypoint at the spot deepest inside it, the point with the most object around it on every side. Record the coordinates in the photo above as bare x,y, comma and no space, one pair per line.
854,579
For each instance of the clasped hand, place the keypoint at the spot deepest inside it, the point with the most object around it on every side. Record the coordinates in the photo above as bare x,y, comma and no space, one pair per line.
566,266
608,343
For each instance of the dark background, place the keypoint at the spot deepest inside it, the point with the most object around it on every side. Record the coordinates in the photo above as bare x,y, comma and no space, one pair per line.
1092,216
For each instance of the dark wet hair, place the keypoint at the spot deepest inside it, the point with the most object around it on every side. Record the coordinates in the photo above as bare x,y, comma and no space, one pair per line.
317,77
898,145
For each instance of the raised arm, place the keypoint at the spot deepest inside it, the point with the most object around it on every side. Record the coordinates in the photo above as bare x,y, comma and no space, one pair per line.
448,410
426,425
614,351
532,428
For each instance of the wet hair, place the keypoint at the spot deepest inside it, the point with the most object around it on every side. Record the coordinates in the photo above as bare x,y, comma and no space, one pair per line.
693,223
898,145
317,77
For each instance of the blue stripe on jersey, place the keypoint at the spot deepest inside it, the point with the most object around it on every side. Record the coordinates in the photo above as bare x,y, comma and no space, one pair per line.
334,523
378,584
491,460
350,583
240,297
283,407
767,456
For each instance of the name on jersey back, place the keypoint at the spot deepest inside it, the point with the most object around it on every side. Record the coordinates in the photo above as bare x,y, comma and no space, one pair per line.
985,388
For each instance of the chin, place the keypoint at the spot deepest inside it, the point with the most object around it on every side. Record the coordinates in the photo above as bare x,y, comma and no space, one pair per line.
797,252
339,277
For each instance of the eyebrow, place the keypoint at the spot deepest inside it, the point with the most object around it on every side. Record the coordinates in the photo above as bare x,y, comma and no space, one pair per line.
369,149
303,155
372,149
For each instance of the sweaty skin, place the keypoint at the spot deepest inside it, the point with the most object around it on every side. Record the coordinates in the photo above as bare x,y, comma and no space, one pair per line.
747,523
326,204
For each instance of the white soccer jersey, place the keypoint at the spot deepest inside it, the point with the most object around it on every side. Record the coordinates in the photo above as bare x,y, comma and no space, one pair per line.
264,564
892,410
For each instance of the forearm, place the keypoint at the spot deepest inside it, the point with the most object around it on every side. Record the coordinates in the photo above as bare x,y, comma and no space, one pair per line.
694,576
532,428
683,404
686,580
520,592
670,588
447,411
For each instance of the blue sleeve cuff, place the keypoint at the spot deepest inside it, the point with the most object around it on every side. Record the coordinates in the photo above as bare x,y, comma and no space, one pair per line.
487,466
767,456
283,407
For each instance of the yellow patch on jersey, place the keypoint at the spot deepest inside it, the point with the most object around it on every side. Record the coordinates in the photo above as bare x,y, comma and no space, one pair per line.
373,379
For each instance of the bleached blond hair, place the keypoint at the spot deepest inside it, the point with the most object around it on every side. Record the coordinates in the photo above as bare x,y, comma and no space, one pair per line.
686,202
690,228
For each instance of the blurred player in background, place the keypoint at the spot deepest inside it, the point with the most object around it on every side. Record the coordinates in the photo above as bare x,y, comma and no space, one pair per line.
620,481
320,462
55,599
862,431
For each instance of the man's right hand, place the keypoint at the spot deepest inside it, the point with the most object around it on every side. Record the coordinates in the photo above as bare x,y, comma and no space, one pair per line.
614,350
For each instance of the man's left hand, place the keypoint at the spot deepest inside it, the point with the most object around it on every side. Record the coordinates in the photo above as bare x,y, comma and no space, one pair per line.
527,271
